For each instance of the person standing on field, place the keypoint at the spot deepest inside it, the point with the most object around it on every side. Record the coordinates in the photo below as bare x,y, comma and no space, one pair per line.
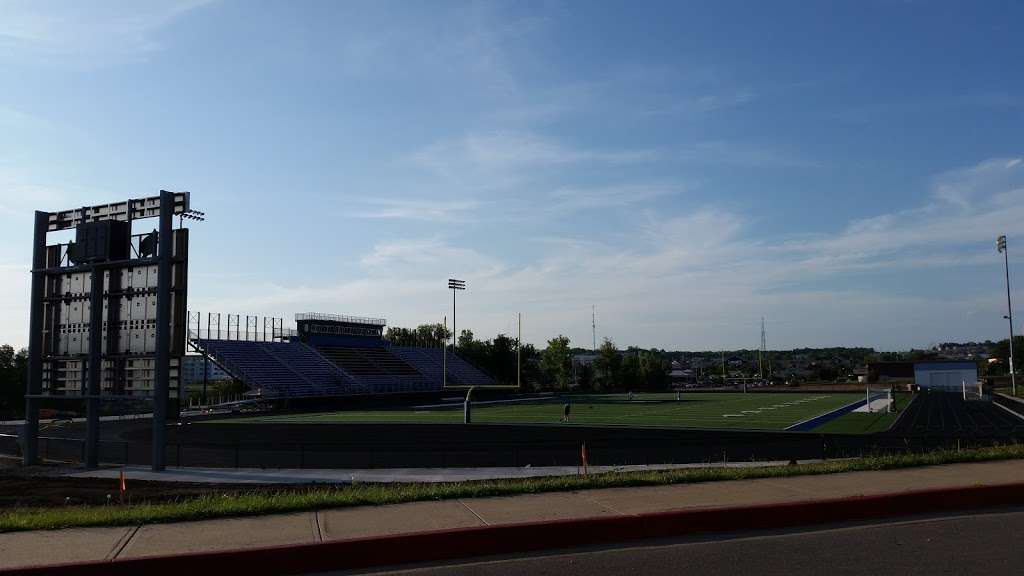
565,412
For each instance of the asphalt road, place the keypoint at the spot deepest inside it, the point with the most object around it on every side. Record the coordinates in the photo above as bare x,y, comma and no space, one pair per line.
990,544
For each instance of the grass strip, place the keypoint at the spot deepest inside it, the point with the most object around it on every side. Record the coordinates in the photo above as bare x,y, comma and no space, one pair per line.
360,494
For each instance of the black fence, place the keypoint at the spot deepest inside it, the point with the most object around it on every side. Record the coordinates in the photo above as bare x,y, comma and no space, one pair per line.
563,452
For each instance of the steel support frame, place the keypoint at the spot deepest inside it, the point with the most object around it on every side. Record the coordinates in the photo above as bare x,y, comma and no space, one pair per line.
161,384
95,369
34,384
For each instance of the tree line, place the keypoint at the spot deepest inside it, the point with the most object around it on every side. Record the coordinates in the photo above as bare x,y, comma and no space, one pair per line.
13,371
550,368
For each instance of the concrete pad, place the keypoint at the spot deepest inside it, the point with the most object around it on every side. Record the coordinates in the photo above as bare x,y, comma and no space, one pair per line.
828,486
21,549
365,521
647,499
877,482
224,534
536,507
979,473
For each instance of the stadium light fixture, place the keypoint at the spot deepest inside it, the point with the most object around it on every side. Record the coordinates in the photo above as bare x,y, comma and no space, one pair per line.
194,215
455,285
1001,247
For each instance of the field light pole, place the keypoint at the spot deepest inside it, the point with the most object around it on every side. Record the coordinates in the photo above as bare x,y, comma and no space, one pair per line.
1001,246
444,356
455,285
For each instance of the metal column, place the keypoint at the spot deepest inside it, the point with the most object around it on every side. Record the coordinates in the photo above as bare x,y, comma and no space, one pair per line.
34,385
163,330
92,427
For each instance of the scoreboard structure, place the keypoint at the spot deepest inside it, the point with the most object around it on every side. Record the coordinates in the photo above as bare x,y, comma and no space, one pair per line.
108,313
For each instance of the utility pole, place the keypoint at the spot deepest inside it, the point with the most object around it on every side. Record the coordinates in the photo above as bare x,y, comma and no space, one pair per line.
444,357
1001,246
519,347
593,327
760,352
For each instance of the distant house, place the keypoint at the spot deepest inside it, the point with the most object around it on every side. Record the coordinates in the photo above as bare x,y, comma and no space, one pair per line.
679,373
890,371
192,367
584,359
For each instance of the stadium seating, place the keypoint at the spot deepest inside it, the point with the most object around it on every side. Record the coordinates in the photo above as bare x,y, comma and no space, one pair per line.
293,369
285,369
430,362
380,370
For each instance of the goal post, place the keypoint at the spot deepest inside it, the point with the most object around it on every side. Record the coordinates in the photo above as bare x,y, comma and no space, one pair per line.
878,399
972,390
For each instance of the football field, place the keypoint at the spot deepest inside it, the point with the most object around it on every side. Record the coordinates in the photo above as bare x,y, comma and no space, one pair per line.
734,410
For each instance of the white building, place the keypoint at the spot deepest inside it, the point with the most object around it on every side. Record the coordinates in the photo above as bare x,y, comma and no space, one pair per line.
949,376
192,371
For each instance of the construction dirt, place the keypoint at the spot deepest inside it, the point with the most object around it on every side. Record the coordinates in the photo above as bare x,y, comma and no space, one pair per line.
40,486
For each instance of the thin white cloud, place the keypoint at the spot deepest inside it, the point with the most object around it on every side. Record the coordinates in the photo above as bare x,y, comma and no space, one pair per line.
426,257
741,154
506,152
572,199
970,205
415,209
87,33
703,104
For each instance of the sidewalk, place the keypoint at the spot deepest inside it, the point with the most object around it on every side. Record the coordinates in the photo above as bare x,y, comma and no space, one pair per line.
98,544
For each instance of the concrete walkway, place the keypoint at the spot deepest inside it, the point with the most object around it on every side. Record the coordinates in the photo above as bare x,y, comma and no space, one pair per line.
347,475
21,549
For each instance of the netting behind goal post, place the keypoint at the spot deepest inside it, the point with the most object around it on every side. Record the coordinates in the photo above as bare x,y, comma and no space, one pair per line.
879,400
972,390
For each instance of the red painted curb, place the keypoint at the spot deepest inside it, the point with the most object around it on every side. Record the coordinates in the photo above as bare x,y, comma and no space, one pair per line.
533,536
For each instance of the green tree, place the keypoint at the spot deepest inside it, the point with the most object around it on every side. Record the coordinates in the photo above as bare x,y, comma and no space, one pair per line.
12,380
1001,352
532,379
630,376
556,362
466,340
585,376
424,335
607,365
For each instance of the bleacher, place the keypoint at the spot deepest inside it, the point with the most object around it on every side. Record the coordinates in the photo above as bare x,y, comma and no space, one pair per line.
379,369
430,362
338,356
281,369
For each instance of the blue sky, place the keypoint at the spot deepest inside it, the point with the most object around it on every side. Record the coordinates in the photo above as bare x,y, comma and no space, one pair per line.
842,169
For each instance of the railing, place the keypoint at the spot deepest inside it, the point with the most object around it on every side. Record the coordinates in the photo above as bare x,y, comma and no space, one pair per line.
241,336
230,327
337,318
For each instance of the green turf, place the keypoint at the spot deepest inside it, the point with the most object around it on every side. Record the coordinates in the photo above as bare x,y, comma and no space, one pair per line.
865,422
757,411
